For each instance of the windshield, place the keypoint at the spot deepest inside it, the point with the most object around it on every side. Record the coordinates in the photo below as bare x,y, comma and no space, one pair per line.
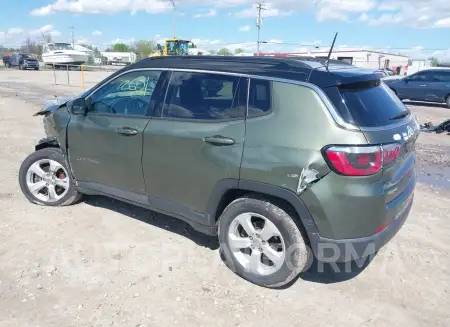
177,48
60,46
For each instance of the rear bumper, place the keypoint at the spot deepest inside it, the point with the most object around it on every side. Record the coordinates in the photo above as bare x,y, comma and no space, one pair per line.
330,250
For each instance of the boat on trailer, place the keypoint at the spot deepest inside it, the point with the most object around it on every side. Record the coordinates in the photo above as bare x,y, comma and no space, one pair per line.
62,54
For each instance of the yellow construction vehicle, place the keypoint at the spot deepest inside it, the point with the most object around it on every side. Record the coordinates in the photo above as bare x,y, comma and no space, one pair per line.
172,47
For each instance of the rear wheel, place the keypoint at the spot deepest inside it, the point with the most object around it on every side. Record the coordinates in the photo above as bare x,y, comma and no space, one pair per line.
260,242
45,179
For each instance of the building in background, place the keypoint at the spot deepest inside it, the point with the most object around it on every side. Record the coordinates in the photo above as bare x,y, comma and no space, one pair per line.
360,58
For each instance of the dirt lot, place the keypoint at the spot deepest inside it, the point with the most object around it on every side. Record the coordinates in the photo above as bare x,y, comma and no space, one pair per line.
103,263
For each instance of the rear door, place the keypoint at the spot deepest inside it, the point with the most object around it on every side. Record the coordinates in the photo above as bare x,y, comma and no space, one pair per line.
440,86
194,140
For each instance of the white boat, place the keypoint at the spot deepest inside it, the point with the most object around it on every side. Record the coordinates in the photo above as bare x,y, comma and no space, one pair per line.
62,54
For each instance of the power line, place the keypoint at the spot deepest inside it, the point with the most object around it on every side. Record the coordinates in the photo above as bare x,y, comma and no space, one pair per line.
260,7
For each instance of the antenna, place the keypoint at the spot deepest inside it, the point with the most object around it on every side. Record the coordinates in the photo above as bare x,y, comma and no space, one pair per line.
259,6
331,50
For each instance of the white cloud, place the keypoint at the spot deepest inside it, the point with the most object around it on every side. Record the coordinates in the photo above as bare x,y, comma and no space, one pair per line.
44,30
245,28
444,22
103,6
210,13
97,33
15,30
412,13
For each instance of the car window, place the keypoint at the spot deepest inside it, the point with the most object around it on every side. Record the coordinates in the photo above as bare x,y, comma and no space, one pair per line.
441,76
370,104
128,94
201,96
260,99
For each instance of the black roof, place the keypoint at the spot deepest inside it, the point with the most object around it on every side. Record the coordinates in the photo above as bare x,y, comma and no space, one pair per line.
299,69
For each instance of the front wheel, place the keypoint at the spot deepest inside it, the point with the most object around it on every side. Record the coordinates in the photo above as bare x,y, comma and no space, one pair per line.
45,179
261,242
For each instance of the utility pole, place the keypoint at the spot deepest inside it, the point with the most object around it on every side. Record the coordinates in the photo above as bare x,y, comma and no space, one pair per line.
73,35
173,18
260,7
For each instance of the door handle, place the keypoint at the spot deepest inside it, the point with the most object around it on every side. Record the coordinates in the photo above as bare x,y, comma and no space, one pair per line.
127,131
218,140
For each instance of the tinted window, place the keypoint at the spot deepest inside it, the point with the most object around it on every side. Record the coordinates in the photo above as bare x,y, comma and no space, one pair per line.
201,96
371,104
260,98
128,94
441,76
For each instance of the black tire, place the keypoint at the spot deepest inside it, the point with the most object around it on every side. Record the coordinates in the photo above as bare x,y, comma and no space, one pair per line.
298,254
448,101
36,69
72,196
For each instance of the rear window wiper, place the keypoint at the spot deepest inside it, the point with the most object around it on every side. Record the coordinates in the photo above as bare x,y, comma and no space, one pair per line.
400,115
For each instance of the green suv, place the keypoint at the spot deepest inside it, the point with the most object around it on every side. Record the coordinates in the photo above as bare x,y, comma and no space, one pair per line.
281,158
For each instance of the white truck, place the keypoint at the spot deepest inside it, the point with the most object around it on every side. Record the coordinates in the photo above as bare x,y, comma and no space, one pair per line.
119,58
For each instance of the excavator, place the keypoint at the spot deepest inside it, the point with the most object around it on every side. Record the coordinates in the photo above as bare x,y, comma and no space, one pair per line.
173,47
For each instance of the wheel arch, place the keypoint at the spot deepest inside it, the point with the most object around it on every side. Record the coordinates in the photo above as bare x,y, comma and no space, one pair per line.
48,142
228,190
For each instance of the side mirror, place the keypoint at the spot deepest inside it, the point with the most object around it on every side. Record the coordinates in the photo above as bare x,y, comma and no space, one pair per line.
78,106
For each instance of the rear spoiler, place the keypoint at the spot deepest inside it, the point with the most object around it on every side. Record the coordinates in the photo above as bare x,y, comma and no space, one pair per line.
341,75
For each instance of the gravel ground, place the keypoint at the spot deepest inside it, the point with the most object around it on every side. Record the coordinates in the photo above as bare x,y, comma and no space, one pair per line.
106,263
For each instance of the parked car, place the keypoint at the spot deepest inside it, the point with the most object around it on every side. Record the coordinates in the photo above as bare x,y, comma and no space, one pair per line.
293,159
430,85
386,72
7,60
24,61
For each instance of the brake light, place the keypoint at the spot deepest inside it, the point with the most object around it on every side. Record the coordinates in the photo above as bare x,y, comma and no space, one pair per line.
390,153
360,160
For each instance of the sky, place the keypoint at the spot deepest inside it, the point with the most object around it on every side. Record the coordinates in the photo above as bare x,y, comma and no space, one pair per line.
420,28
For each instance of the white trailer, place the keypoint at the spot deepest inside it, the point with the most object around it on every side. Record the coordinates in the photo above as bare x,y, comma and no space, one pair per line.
117,58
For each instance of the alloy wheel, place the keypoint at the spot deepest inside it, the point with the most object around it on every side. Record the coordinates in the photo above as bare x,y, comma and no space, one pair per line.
256,243
47,180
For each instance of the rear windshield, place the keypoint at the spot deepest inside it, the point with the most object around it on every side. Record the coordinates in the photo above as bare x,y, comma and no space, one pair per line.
370,104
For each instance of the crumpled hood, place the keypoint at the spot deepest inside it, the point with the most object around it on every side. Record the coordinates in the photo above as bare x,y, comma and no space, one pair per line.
60,102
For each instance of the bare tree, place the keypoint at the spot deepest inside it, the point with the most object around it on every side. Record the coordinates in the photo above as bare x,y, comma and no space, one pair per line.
47,37
30,46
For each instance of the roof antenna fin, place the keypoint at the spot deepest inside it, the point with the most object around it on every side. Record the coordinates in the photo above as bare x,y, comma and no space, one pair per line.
331,50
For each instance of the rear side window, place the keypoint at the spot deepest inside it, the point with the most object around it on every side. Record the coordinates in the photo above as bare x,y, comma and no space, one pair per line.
201,96
370,104
441,77
260,97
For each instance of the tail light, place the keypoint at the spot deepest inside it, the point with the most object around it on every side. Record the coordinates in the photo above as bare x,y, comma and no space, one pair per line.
360,160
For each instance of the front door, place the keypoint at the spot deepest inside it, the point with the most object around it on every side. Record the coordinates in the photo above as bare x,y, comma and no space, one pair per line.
416,87
195,141
105,146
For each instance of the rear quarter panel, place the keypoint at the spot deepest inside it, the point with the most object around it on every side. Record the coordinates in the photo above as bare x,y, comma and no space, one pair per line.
280,145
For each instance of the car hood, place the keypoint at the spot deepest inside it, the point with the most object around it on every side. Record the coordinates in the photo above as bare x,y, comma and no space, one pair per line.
58,104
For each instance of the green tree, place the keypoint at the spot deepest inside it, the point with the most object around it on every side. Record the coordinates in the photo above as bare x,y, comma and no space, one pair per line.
239,50
212,51
144,48
434,61
121,47
224,52
192,46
